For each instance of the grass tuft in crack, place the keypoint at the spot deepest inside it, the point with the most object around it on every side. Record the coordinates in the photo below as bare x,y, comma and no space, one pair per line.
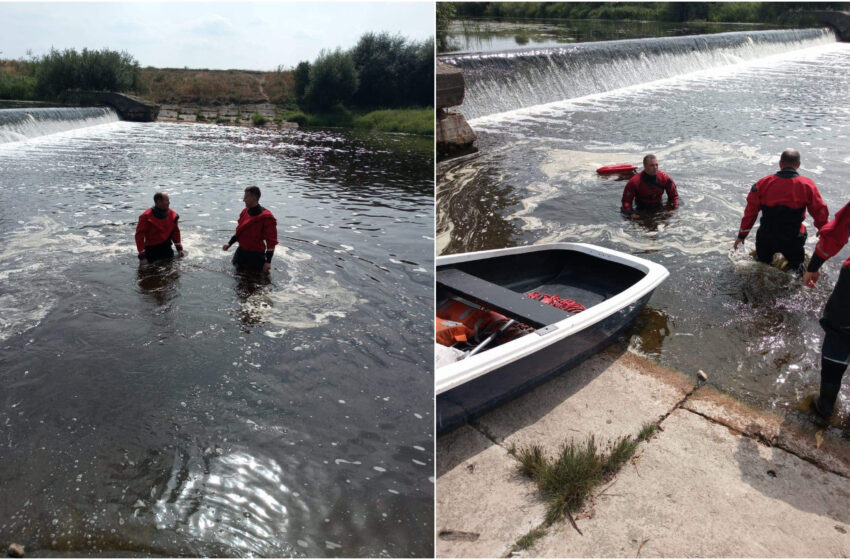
567,480
527,540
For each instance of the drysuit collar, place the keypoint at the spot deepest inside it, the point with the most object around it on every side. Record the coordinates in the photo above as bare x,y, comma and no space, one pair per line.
788,173
159,213
256,210
651,179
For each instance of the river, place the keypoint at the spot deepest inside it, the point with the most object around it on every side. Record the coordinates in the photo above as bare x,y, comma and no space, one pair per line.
717,110
184,409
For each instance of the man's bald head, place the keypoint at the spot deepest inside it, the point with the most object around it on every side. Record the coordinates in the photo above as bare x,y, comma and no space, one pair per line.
790,158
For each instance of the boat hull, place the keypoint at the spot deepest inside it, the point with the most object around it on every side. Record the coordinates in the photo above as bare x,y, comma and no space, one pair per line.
464,402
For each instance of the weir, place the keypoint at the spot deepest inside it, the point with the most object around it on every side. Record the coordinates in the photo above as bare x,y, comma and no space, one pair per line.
510,80
21,124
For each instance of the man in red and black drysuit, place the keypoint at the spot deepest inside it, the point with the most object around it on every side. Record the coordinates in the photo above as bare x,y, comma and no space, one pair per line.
835,353
156,230
782,199
256,233
644,190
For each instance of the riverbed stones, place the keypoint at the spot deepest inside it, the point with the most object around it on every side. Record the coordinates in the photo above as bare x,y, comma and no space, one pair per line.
16,550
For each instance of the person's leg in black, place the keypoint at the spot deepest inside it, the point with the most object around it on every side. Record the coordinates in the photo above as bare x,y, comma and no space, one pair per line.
765,248
795,253
835,354
159,252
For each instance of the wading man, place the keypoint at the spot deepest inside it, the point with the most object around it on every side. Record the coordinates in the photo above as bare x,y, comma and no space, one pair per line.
256,234
156,230
835,353
782,199
645,190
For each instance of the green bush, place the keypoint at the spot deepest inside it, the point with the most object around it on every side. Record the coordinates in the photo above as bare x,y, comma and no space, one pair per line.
105,70
333,80
294,116
258,120
17,86
301,80
393,72
199,116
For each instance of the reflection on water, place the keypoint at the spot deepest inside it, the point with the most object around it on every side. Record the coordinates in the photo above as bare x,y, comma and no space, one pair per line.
185,408
754,329
160,280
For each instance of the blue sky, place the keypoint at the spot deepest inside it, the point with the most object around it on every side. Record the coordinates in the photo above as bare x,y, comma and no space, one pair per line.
220,35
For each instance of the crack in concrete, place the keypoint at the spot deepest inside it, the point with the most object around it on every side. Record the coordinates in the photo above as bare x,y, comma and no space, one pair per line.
764,440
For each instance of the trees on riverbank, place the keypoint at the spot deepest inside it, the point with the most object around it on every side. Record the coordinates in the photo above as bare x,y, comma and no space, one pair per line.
739,12
49,76
389,72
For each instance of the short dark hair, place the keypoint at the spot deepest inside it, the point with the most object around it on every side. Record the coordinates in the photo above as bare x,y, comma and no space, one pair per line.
158,196
648,156
255,191
790,156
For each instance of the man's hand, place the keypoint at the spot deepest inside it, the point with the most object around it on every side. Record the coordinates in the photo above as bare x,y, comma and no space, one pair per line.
634,216
810,279
738,241
670,212
143,261
226,247
267,267
180,254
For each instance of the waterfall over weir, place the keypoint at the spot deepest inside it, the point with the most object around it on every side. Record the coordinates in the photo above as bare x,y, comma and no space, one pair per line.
506,81
21,124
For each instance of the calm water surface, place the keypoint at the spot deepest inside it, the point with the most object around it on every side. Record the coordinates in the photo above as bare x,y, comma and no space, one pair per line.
752,328
488,35
183,409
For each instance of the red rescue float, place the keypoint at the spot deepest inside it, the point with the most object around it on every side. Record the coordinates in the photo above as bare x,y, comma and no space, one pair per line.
620,169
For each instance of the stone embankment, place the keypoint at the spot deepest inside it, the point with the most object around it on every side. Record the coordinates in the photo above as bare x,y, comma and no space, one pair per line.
230,114
454,135
717,479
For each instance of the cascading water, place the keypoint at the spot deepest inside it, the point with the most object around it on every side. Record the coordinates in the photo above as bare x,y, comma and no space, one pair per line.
506,81
21,124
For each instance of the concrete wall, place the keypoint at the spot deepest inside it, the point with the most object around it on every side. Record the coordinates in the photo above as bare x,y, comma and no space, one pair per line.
838,21
129,108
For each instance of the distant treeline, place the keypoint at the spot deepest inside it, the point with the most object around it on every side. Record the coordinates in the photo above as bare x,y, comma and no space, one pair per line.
48,77
381,71
739,12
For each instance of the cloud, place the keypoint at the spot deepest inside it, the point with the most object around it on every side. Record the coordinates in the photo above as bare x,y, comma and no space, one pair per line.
212,25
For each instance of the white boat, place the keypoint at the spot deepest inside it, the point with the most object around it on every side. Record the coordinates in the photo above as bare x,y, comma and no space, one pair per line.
612,286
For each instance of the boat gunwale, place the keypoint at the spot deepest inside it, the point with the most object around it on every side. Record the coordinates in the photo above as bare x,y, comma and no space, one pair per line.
457,373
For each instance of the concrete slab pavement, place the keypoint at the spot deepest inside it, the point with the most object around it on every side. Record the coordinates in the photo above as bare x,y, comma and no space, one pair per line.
721,479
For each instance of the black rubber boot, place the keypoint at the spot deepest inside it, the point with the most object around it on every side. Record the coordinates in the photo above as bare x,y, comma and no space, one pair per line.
830,384
824,404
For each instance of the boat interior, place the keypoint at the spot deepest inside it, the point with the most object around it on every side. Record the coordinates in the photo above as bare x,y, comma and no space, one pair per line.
500,285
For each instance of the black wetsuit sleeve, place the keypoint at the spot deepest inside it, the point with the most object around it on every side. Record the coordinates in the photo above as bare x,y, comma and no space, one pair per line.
815,263
232,240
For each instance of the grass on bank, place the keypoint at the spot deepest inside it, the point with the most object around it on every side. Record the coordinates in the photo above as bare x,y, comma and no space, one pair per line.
567,480
411,121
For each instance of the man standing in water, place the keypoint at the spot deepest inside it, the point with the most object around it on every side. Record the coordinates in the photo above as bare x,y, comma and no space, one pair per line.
835,353
156,230
256,233
647,187
782,199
